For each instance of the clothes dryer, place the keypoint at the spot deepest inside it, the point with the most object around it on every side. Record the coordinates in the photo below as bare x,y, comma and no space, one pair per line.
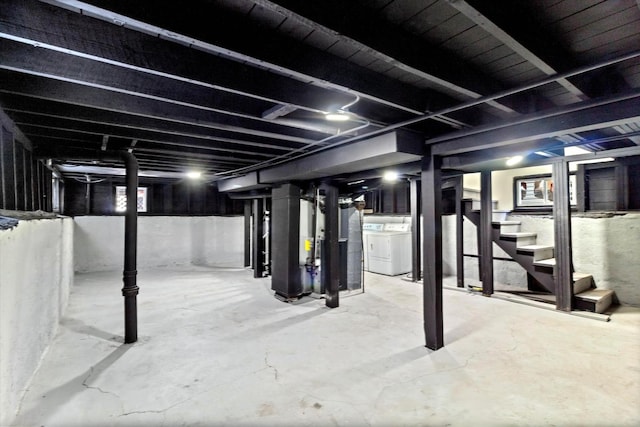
388,251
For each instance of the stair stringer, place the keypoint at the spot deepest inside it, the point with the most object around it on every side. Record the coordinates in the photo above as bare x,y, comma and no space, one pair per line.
543,275
590,299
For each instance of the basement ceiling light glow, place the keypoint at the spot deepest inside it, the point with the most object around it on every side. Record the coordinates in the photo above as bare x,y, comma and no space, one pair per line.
575,151
338,116
543,154
194,174
514,160
390,176
597,160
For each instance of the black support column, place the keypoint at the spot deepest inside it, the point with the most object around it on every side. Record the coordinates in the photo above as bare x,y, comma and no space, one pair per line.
432,251
258,241
562,233
486,241
247,233
129,276
416,229
459,232
331,236
286,275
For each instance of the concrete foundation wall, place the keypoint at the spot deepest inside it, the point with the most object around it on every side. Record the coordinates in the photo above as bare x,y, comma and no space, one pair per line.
609,249
36,275
162,241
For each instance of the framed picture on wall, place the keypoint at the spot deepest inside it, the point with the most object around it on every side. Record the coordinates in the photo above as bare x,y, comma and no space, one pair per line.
536,191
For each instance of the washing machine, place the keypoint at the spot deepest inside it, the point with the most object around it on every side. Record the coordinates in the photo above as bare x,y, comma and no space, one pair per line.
387,248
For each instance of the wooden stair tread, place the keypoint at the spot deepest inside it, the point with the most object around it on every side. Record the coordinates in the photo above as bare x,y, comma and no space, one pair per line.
594,294
582,282
533,248
518,234
549,262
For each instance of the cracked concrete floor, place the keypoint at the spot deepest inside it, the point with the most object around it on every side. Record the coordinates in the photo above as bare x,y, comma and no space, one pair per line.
216,348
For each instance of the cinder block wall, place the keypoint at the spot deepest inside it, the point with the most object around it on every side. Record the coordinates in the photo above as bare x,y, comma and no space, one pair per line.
36,275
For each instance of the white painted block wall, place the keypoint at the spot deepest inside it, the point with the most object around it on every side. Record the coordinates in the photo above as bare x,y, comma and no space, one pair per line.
214,241
36,275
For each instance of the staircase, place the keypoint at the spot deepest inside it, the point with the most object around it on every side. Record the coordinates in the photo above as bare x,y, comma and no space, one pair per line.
539,263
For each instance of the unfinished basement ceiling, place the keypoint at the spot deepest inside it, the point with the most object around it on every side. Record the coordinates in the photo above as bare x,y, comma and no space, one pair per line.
231,87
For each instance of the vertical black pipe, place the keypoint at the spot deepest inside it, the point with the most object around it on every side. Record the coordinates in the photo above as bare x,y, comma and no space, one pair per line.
580,189
459,232
562,233
247,233
416,229
130,289
331,236
87,196
432,252
479,249
268,244
3,187
486,233
258,240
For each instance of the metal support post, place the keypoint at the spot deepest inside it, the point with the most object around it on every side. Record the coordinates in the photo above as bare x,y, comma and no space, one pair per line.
432,251
486,233
416,229
332,236
258,241
459,233
563,270
129,275
247,233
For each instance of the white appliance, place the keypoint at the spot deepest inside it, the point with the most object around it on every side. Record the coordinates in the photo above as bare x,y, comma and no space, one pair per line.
387,248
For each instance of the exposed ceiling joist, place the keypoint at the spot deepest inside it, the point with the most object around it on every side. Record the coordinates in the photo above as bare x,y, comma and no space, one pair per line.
79,93
509,39
390,46
235,86
582,117
291,60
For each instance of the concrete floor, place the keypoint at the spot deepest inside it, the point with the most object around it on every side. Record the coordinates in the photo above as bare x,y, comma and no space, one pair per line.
216,348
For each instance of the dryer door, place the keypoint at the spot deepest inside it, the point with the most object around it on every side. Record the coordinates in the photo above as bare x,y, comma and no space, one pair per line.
379,246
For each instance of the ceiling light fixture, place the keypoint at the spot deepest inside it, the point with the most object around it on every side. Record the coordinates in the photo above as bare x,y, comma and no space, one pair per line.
194,174
596,160
390,176
575,151
342,114
338,116
514,160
